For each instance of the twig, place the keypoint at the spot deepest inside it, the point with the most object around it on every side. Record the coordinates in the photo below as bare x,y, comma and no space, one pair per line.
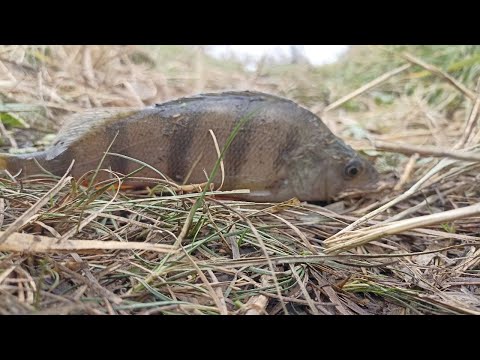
426,150
2,211
361,237
406,172
17,242
366,87
256,305
472,119
218,291
87,68
9,137
411,210
433,69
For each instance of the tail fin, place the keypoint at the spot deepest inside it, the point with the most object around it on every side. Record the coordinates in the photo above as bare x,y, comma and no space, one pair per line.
27,163
12,163
4,160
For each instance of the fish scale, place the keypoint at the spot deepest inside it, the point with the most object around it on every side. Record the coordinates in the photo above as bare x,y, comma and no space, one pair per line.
281,151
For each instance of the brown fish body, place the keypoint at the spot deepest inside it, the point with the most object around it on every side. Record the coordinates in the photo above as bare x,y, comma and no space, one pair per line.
281,151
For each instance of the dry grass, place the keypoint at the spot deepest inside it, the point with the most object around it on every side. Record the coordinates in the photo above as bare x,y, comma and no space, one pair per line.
410,248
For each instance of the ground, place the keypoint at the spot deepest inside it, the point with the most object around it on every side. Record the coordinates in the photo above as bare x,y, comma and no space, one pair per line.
412,247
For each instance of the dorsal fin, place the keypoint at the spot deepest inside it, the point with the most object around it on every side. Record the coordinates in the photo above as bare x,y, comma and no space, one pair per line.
85,121
252,95
77,125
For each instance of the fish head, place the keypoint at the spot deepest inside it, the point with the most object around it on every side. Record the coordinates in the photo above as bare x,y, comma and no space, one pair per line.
326,174
350,174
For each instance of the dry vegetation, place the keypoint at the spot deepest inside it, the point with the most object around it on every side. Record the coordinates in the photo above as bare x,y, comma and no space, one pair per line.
413,247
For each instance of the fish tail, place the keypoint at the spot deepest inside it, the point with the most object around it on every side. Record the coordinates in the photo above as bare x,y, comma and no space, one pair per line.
5,160
14,163
28,164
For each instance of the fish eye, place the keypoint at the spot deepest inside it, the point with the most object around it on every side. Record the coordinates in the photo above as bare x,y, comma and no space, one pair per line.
353,168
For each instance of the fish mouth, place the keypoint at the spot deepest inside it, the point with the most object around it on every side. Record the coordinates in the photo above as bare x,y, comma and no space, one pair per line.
377,186
354,192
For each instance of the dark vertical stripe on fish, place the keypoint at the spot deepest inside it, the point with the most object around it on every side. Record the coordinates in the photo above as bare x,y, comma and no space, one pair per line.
179,147
292,141
122,140
236,156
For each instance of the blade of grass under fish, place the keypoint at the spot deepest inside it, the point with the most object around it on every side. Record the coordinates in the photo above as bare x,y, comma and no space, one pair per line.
148,167
101,161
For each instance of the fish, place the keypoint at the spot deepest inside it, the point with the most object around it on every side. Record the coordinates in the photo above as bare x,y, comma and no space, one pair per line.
280,151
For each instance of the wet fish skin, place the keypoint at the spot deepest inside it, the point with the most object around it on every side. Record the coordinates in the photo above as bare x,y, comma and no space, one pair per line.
282,150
